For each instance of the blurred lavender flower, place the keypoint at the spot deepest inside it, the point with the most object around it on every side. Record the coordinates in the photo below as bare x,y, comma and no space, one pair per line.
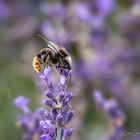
27,120
83,12
53,28
114,113
129,24
22,103
57,33
53,10
5,11
105,6
60,114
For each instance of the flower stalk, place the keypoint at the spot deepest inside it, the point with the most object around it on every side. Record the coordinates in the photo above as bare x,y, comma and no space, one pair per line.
58,133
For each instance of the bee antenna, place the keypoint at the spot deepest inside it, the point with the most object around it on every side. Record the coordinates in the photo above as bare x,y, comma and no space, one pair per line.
47,41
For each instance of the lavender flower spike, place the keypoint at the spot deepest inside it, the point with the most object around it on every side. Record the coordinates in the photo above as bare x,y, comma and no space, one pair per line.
114,113
60,113
29,121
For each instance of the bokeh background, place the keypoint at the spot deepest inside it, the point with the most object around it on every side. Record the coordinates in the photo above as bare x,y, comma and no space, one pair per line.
103,39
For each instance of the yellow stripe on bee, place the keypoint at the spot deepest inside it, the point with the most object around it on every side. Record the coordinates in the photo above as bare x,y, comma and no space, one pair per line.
37,65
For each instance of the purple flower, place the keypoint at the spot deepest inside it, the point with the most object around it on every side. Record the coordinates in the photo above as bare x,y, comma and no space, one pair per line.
22,103
105,6
83,12
60,114
115,114
28,121
5,11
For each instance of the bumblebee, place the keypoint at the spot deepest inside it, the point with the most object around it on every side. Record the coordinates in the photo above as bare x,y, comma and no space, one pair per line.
52,56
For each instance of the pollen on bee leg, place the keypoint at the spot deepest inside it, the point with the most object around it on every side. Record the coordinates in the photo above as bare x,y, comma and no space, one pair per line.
37,63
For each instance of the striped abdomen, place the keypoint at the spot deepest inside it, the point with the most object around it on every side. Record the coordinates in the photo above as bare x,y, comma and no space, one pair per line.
37,65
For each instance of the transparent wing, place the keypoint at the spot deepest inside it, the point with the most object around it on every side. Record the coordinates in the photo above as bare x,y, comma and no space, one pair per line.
51,45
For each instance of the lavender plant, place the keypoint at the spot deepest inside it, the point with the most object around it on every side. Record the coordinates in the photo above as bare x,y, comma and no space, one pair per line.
115,115
60,113
52,124
30,122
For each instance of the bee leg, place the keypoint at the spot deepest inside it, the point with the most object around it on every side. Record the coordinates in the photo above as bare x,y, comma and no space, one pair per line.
48,59
69,79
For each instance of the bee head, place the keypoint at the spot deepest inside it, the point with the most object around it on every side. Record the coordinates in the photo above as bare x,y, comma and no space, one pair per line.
64,64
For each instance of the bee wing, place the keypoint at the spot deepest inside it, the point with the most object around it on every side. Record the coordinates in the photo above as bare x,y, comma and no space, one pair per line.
51,45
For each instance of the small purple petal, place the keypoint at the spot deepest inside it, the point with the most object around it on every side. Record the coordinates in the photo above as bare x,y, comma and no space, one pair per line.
63,79
47,71
46,75
70,95
47,115
69,116
46,125
61,88
65,101
63,131
49,94
61,97
60,119
49,103
44,137
69,133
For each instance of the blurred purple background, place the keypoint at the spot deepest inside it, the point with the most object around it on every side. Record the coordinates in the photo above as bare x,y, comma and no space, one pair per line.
103,39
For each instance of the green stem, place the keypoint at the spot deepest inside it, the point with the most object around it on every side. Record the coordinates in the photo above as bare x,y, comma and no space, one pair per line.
58,133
